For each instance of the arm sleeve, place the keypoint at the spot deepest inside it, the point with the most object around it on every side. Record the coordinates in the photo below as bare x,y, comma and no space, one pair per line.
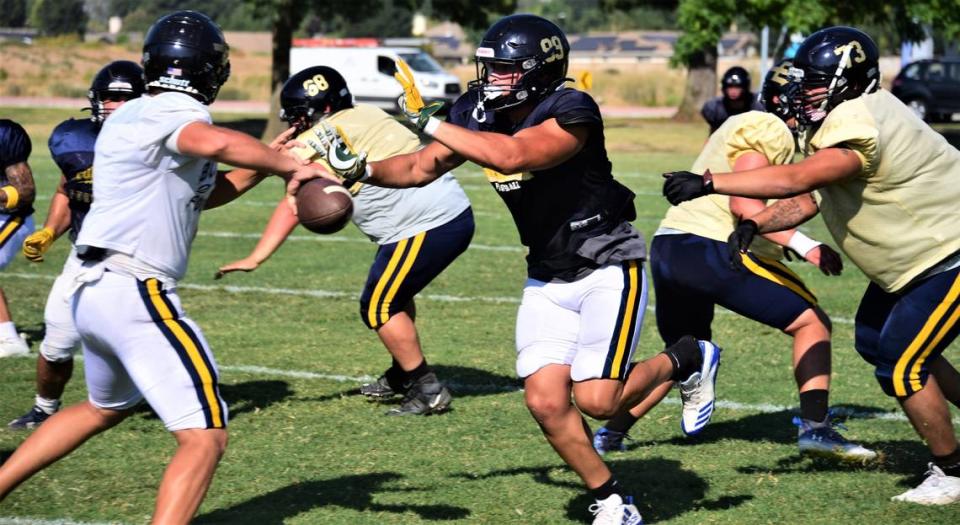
15,145
761,133
851,126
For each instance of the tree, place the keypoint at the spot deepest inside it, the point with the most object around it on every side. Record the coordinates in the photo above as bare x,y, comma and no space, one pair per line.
704,21
59,17
13,13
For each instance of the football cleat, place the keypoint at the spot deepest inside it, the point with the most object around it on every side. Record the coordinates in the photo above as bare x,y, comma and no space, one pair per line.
698,392
30,420
378,389
823,440
937,489
14,346
615,511
426,396
606,440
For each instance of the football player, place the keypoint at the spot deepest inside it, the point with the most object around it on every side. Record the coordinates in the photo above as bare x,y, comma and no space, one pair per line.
735,98
692,273
887,191
155,163
71,146
419,231
17,192
542,148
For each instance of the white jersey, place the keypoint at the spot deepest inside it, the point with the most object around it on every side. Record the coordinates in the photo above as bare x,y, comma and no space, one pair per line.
148,197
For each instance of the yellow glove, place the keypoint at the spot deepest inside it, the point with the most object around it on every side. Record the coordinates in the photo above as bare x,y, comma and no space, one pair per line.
37,243
411,103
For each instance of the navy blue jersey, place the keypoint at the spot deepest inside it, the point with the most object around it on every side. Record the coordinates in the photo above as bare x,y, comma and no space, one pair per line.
71,145
15,146
717,110
558,208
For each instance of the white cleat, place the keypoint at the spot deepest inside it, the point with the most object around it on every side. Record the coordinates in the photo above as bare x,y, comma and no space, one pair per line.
937,489
615,511
14,346
698,392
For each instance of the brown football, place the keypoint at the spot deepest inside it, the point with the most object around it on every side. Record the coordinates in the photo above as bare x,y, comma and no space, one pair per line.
323,206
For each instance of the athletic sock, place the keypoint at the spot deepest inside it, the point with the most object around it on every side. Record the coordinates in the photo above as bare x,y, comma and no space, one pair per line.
949,464
48,406
686,357
609,488
8,330
421,370
621,422
814,405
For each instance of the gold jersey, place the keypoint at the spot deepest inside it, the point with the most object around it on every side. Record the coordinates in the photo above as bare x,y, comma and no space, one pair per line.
899,216
369,129
710,216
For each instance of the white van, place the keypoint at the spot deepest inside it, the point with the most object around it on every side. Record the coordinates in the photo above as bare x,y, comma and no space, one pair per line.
369,72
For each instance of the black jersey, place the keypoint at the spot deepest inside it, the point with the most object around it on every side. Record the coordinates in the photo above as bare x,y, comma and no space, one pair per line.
558,210
71,146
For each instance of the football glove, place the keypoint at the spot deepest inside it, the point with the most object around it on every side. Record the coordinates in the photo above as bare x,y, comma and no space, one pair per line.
411,103
830,261
682,186
333,147
37,243
739,242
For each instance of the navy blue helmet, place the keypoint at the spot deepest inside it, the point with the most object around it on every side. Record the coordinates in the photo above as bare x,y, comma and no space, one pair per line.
532,45
118,80
736,76
185,51
841,63
773,93
312,93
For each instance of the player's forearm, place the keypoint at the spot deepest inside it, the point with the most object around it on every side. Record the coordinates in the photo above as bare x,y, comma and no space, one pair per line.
744,208
232,184
503,153
824,167
240,150
20,191
58,215
281,224
786,214
413,169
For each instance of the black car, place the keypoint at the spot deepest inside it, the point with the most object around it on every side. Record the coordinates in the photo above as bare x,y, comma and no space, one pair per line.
930,87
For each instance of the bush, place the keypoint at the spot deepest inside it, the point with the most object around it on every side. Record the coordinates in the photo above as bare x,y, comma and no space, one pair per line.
59,17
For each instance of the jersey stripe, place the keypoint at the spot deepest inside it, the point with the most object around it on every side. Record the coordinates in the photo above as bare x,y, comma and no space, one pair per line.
904,384
188,349
778,274
408,261
382,283
9,227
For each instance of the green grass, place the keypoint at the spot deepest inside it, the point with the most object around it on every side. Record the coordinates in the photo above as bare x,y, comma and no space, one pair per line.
309,450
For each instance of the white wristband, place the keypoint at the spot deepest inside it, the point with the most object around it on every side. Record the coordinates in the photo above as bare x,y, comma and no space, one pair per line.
432,124
802,244
367,173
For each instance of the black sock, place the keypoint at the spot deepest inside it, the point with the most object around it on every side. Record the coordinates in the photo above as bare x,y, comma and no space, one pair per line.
621,422
686,357
609,488
421,370
949,464
814,405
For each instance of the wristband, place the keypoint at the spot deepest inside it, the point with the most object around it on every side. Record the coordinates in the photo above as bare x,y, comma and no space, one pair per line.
367,173
13,196
431,126
802,244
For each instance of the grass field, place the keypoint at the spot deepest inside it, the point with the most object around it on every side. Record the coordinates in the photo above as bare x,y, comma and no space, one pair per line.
305,448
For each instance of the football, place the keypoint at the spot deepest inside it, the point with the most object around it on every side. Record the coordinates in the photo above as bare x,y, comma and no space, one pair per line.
323,206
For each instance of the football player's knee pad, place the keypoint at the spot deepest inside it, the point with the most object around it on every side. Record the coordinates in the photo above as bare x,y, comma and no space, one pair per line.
57,351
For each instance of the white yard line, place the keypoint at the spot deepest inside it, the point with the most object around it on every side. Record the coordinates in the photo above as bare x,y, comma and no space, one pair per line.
340,238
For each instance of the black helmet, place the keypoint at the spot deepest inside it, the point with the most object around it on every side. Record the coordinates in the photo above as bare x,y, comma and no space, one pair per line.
312,93
185,51
841,59
535,46
773,93
736,76
119,80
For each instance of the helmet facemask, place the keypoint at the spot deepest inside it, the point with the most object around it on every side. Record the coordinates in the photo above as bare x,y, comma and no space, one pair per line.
98,109
301,117
813,93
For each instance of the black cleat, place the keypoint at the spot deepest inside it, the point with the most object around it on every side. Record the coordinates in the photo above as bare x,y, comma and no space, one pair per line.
385,386
426,396
32,419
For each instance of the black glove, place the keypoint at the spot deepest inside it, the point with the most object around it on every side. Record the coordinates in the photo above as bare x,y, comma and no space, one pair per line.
830,261
682,186
739,242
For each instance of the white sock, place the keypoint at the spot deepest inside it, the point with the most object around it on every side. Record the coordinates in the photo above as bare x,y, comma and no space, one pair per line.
50,406
8,330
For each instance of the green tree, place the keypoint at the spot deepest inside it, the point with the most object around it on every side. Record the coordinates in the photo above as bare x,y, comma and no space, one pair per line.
59,17
13,13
